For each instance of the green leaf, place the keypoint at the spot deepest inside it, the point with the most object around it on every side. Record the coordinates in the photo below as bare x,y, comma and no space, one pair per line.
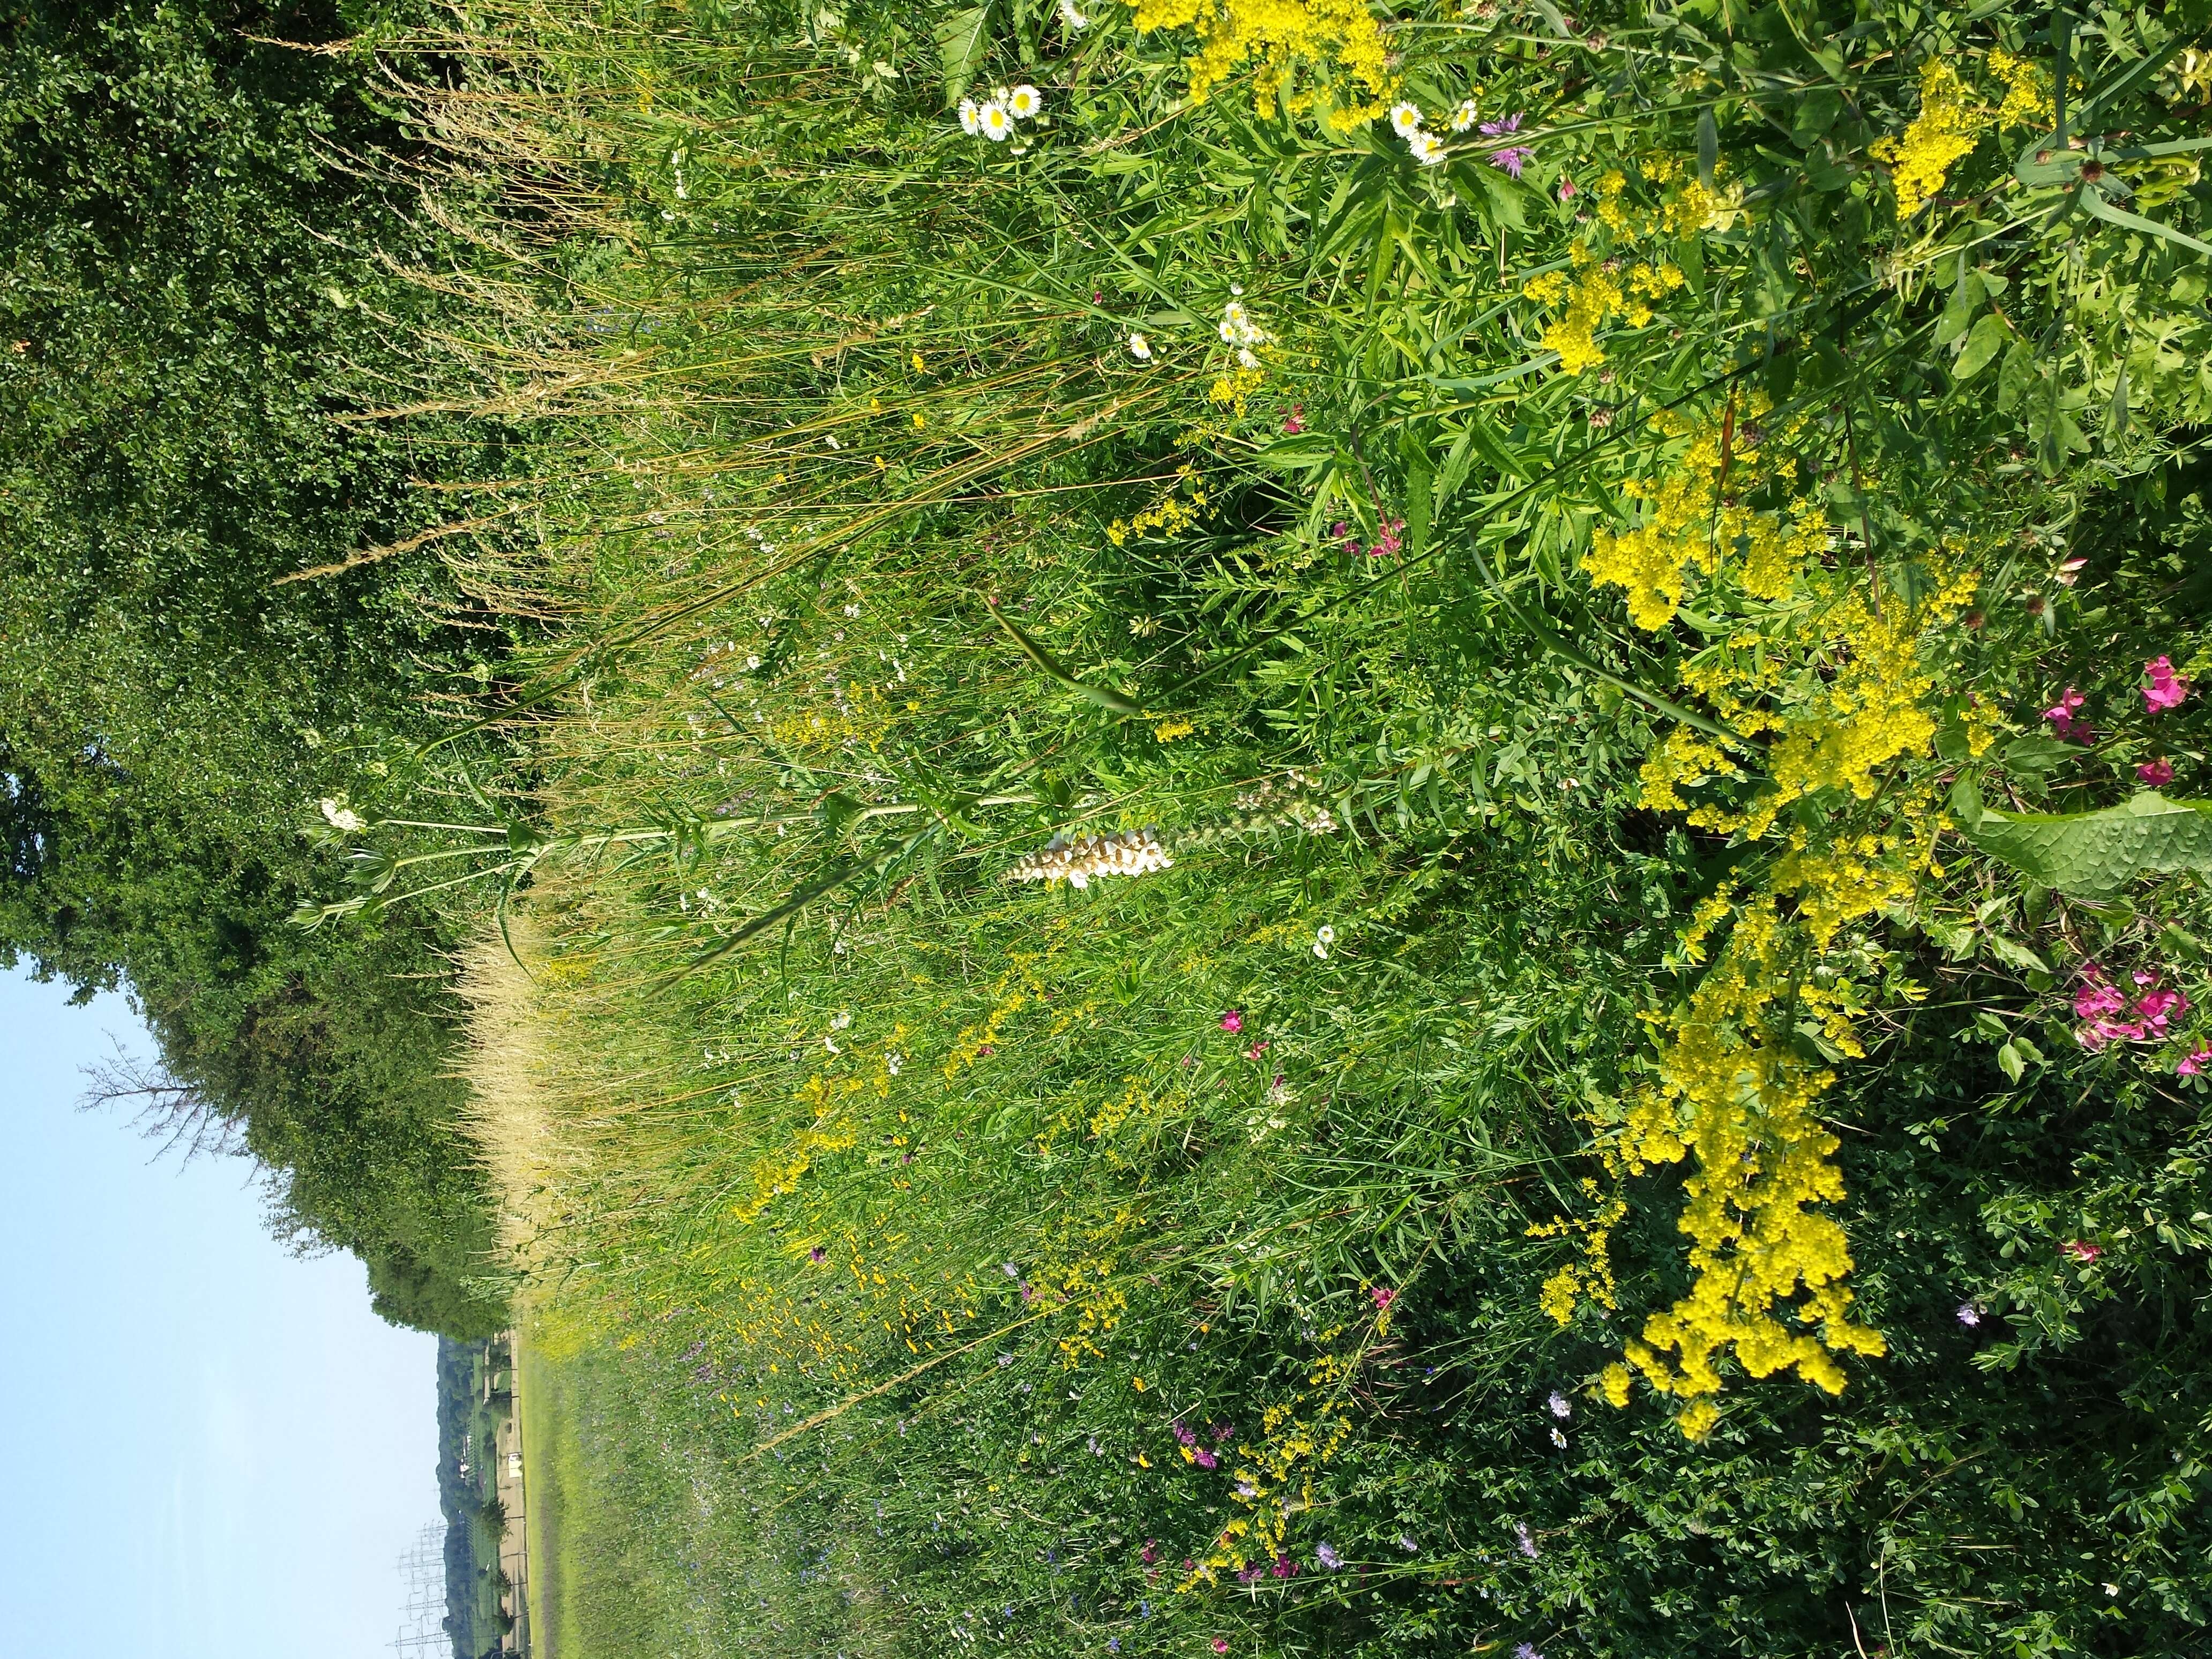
2009,1061
960,50
1988,339
1112,700
1709,147
2093,855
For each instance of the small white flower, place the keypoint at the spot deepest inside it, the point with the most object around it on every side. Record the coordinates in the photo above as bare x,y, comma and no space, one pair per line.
891,1064
1245,358
997,124
1320,950
1463,117
830,1043
1074,19
1325,933
1428,148
1559,1439
839,1022
971,119
1140,348
1237,288
851,610
1024,103
1405,118
751,663
342,817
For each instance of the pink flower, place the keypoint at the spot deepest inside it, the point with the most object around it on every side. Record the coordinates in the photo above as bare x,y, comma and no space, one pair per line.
2060,714
1205,1459
2157,774
2098,996
1251,1575
1295,422
1566,190
1150,1553
2156,1007
2166,688
1184,1434
1220,1646
1387,540
1255,1051
1232,1021
2080,1249
816,1254
1285,1567
2098,1032
2069,572
2193,1064
1384,1296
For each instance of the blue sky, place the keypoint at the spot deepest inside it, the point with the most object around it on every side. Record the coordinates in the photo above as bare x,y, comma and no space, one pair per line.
211,1450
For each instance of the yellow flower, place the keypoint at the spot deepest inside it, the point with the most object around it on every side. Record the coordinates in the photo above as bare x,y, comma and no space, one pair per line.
1945,129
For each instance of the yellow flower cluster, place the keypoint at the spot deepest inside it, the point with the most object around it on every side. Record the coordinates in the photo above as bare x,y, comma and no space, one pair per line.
1343,34
1732,1089
1601,292
1947,127
2028,92
780,1171
1290,1447
1696,521
1171,513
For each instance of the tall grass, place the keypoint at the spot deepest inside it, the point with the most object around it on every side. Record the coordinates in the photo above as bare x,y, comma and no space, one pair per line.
943,1258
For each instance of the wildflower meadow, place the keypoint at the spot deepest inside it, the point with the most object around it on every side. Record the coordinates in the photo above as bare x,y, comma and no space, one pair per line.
1289,829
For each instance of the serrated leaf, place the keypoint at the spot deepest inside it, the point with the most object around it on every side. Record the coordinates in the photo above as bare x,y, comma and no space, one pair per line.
960,50
2096,855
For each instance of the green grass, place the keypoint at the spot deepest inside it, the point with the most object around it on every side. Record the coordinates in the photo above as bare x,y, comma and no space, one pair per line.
937,1259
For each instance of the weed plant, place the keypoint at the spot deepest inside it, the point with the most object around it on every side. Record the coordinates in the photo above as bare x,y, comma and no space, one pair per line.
1534,631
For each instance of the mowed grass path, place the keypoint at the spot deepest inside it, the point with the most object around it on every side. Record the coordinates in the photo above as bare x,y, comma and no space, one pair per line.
539,1407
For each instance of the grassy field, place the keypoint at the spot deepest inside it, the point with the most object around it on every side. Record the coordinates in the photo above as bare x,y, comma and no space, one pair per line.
552,1490
1249,900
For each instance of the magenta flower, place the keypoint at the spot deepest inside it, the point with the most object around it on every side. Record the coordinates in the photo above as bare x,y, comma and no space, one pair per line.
1184,1434
2166,688
1295,422
1285,1567
816,1254
2193,1064
1232,1021
1256,1050
1205,1459
1251,1575
2062,716
2157,774
2098,997
2155,1008
1387,540
1512,158
2080,1249
1384,1296
1220,1646
1567,189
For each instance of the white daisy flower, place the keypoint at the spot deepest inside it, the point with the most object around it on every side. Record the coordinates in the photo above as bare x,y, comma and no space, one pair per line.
996,123
1074,19
1463,117
1246,359
1428,148
971,120
1405,119
1140,348
1024,103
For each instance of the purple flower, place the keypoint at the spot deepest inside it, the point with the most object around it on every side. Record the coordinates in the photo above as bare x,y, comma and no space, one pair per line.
1525,1538
1499,128
1559,1405
1327,1555
1205,1459
1527,1650
1184,1434
816,1254
1513,158
1969,1315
